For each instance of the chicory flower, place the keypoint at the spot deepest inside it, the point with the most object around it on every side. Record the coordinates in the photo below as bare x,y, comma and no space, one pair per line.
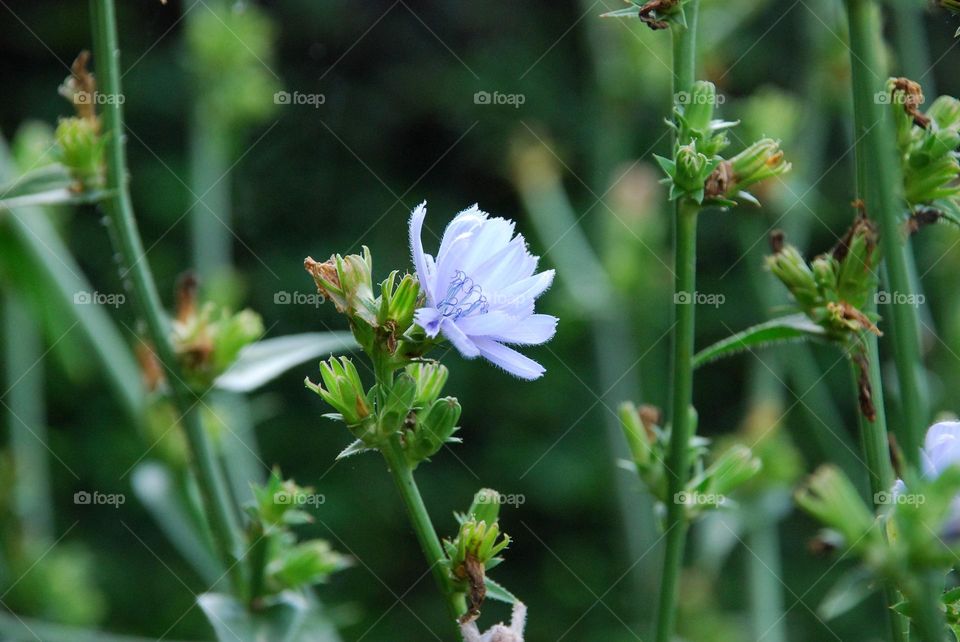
941,450
480,290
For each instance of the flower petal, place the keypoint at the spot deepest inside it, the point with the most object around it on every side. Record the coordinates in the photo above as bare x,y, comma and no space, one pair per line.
531,331
424,274
509,359
519,295
429,319
464,345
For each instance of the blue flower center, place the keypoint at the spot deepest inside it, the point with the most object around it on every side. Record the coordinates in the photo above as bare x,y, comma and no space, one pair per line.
464,298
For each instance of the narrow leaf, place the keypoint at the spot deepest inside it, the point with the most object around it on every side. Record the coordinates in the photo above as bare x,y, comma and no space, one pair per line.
796,327
497,592
266,360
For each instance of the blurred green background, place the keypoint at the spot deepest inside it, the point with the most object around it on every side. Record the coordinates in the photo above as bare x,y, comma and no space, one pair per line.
227,181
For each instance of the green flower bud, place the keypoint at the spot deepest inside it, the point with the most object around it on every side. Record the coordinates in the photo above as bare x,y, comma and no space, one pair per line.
789,266
732,469
698,106
341,388
276,502
80,148
485,507
347,282
430,379
304,564
638,437
762,160
833,499
434,427
233,333
951,5
691,169
398,302
945,112
476,541
393,416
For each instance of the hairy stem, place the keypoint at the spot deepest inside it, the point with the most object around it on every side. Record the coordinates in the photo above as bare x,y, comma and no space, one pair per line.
423,526
223,526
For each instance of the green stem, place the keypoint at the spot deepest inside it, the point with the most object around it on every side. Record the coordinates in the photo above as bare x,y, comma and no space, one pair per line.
119,208
685,269
876,453
878,178
423,526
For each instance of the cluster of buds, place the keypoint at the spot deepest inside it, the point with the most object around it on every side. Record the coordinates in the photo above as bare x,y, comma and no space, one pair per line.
833,290
927,143
285,563
903,541
833,293
412,411
711,483
699,171
378,323
475,550
208,338
80,145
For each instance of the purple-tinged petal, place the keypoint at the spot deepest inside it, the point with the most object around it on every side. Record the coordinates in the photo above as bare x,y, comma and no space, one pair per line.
424,274
509,359
464,344
429,319
486,324
463,223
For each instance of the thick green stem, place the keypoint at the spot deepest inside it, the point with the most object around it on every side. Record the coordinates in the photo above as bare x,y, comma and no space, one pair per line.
878,181
119,208
685,285
423,526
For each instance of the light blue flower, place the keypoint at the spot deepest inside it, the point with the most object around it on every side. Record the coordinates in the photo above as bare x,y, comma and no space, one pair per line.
480,290
941,449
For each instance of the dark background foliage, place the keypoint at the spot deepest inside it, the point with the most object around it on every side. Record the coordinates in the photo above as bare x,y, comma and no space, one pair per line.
400,125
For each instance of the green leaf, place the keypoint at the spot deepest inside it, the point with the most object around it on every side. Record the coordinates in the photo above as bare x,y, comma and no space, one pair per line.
156,489
266,360
58,196
629,12
355,448
289,617
849,591
497,592
795,327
